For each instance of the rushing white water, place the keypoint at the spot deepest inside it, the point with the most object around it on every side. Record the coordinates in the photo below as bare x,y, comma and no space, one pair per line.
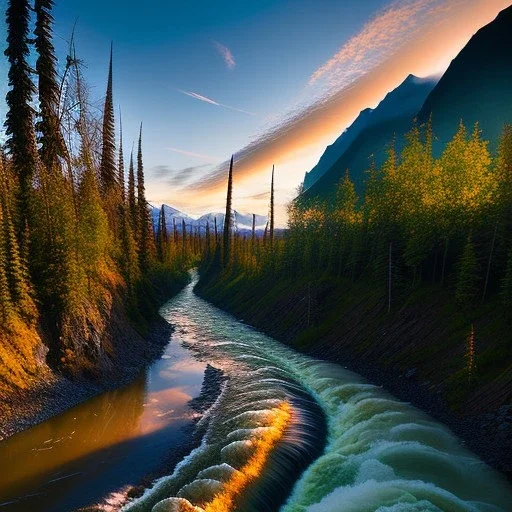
381,454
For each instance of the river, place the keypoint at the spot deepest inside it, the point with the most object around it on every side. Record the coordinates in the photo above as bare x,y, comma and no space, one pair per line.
287,432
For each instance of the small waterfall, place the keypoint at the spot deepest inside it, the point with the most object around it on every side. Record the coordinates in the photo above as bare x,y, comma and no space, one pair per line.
347,444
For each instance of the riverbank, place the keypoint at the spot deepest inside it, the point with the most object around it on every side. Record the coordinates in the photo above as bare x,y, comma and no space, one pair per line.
417,352
131,344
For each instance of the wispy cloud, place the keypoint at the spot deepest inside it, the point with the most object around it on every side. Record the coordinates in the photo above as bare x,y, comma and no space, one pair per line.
387,31
200,97
409,36
178,178
225,53
208,158
205,99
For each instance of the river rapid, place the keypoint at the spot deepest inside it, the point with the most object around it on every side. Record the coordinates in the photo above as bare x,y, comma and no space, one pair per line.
379,454
286,433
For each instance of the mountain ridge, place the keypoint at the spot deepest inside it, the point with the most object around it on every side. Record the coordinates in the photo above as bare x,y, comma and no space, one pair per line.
393,115
474,88
242,221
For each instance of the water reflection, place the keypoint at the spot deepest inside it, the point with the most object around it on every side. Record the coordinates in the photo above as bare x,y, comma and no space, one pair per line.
105,443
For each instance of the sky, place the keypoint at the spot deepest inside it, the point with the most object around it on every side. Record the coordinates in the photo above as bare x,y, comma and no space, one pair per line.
270,81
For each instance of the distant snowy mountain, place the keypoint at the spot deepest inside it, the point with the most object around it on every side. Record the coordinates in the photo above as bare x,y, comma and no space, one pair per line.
171,215
242,221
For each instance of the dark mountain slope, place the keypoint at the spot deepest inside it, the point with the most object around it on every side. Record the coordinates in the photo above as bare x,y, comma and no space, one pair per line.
393,116
337,148
477,85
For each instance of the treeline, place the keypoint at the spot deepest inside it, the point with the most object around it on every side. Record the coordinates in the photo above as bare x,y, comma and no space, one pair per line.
226,250
72,232
443,221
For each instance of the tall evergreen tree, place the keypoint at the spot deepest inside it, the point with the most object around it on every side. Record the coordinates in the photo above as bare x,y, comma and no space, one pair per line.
108,166
145,229
21,140
120,173
183,239
272,212
208,248
17,272
467,276
162,238
226,244
132,201
5,295
50,138
93,226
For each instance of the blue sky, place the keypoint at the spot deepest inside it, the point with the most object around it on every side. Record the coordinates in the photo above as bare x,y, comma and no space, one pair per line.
254,57
166,46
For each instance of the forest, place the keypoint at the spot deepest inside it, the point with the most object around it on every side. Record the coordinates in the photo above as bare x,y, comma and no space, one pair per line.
428,231
423,219
75,227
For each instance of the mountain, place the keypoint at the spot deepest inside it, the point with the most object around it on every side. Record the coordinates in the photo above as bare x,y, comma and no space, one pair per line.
337,148
477,85
369,135
243,222
170,214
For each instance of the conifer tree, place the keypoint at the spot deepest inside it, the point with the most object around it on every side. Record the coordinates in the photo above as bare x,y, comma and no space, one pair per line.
162,238
50,138
226,244
5,295
129,255
120,173
145,229
207,242
108,167
132,201
94,231
183,239
467,276
17,272
21,140
271,233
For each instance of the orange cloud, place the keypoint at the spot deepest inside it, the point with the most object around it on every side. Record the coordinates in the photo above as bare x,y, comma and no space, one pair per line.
415,36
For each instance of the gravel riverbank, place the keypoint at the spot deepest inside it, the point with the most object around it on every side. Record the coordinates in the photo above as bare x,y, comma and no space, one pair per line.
53,394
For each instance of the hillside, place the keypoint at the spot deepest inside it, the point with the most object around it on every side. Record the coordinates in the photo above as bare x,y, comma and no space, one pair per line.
477,85
368,136
475,88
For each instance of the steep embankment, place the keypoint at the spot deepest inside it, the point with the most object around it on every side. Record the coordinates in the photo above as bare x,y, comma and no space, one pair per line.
419,351
128,340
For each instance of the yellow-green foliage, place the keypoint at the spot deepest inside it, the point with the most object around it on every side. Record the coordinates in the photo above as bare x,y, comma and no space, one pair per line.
19,347
413,225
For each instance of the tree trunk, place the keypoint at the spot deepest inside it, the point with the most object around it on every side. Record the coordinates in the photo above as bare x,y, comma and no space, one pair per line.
490,261
390,275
